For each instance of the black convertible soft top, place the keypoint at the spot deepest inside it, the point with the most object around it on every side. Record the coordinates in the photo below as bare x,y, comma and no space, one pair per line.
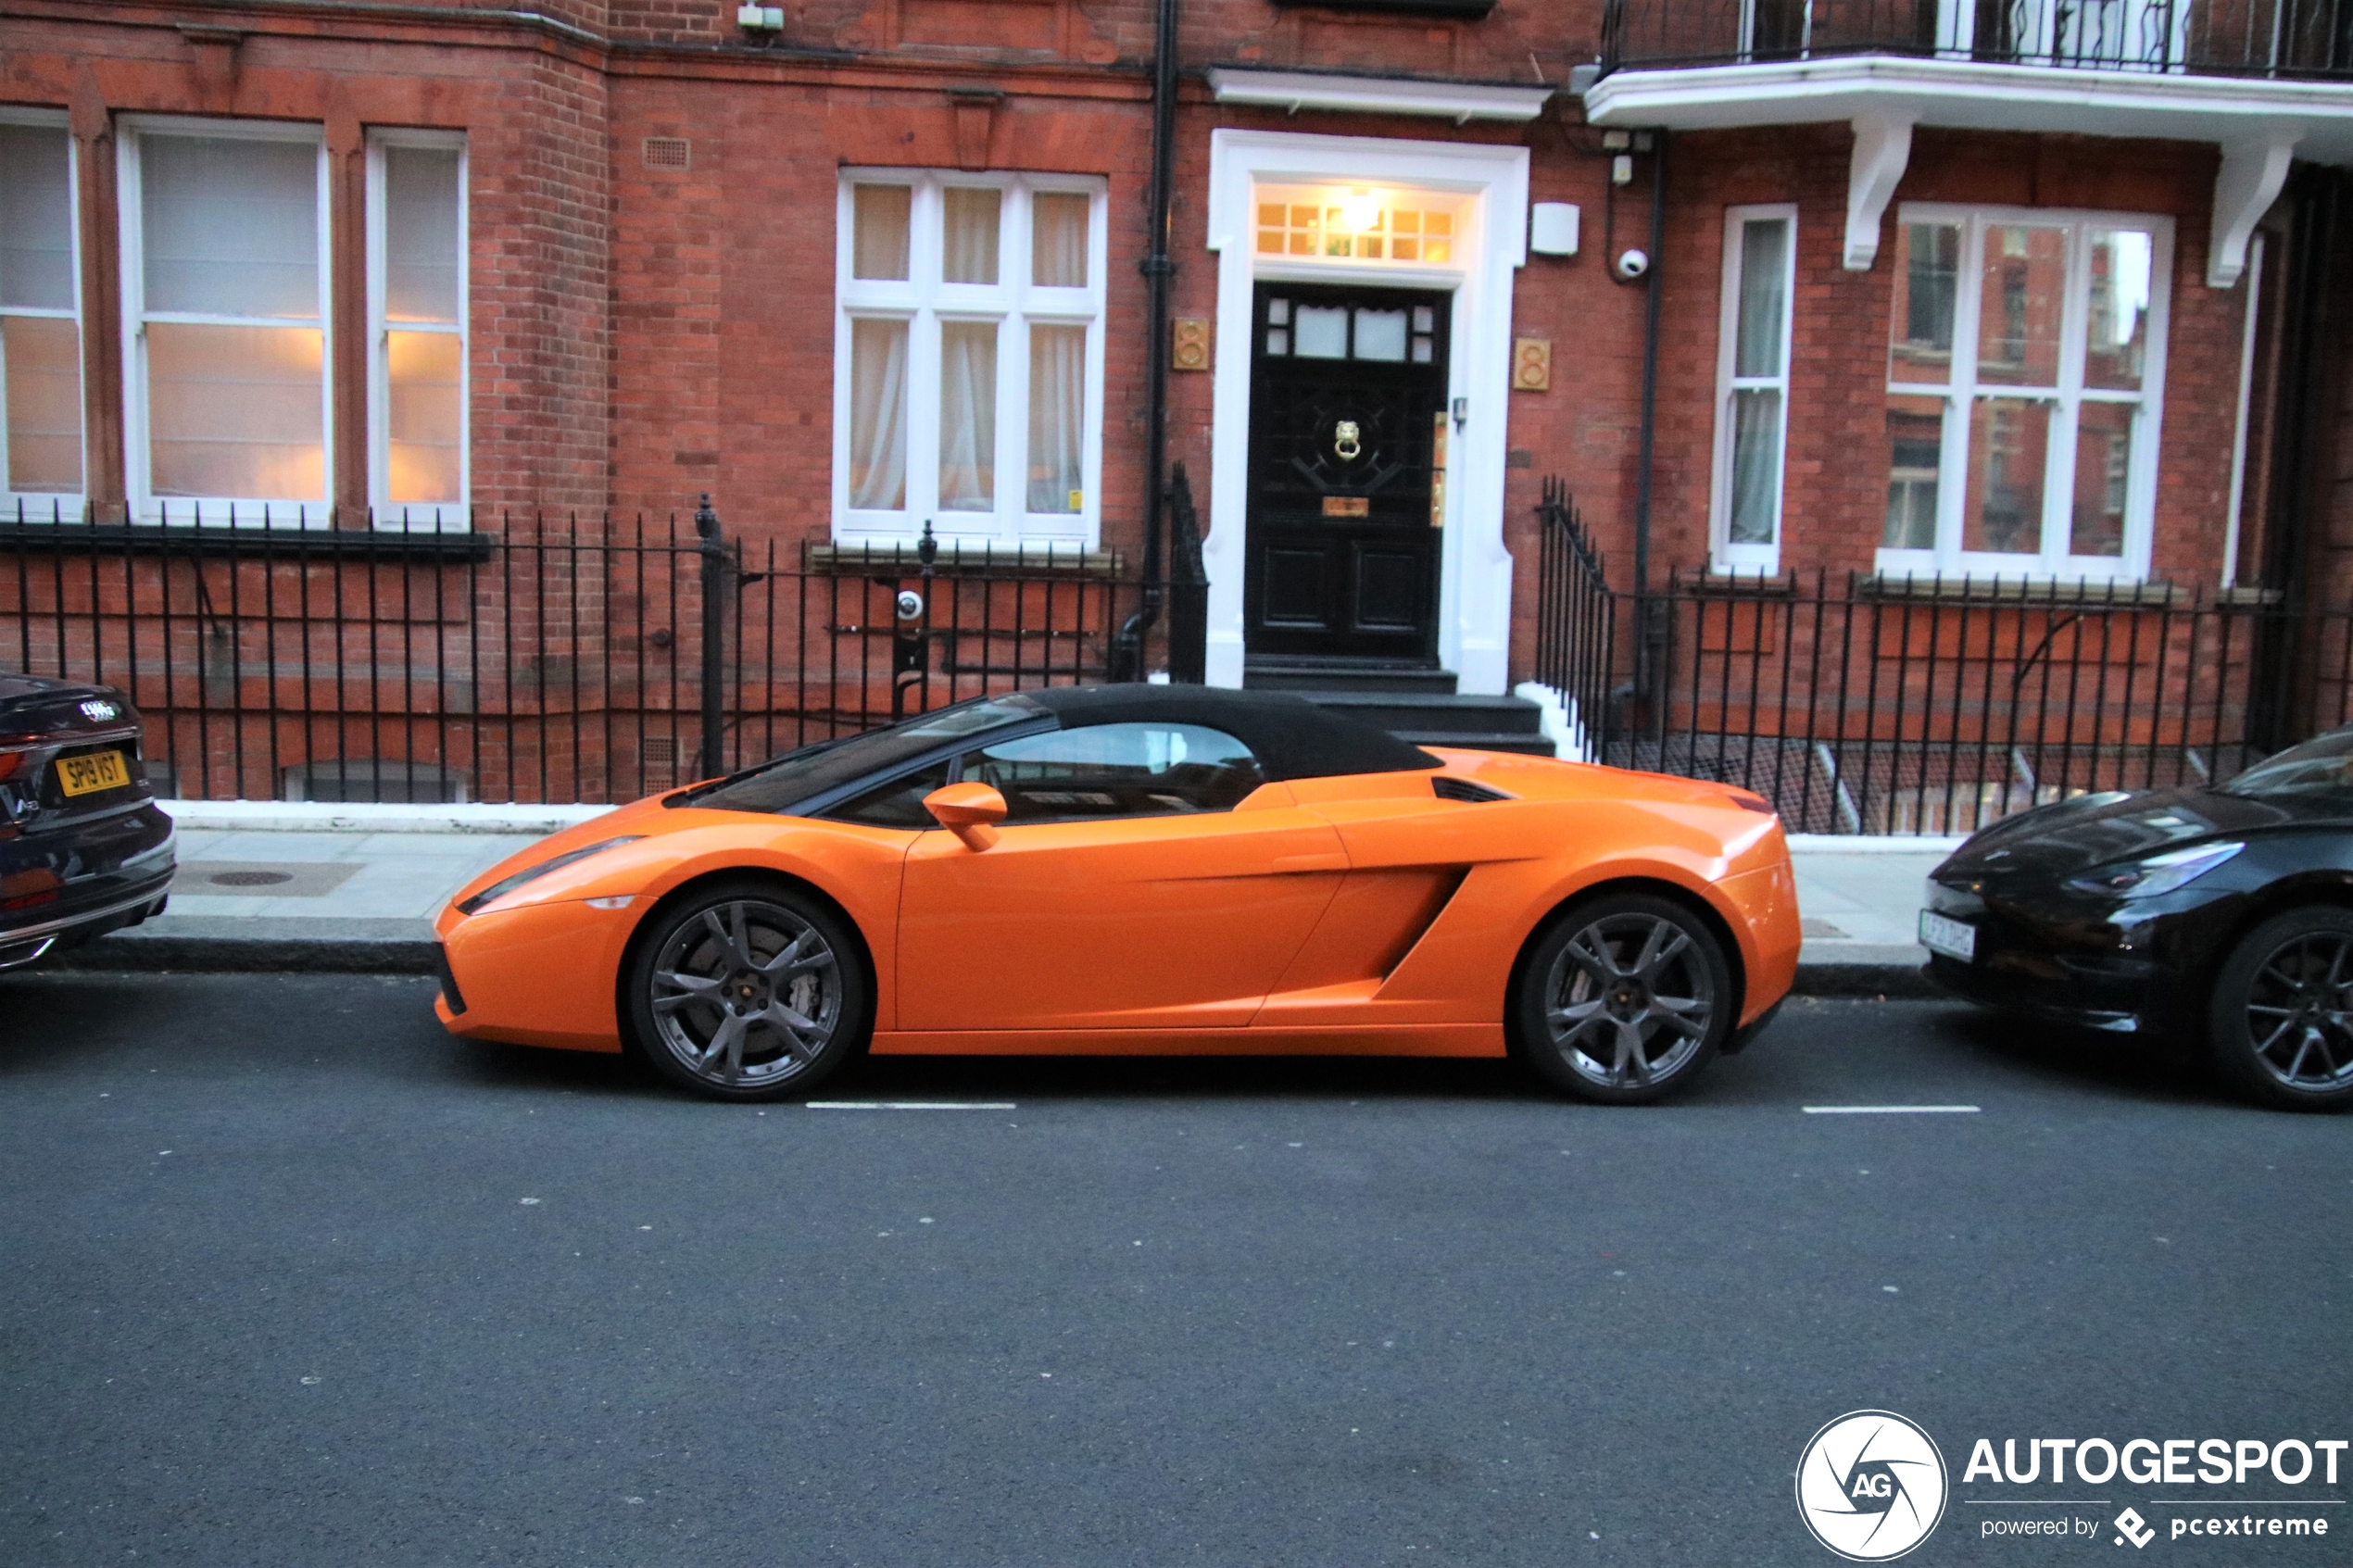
1291,738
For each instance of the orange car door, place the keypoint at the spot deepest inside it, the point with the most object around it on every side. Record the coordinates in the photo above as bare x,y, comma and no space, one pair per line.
1123,890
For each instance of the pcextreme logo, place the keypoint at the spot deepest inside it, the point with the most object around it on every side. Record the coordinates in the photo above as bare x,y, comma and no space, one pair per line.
1870,1485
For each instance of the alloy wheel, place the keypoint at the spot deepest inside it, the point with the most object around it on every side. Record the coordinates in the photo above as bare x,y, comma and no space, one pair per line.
2299,1013
1629,1000
748,996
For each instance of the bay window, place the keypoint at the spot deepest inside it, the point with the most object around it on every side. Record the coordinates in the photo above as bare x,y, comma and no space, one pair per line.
224,284
41,437
968,358
1752,404
417,330
2024,375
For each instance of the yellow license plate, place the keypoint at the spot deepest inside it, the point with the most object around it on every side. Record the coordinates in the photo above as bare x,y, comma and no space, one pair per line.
87,775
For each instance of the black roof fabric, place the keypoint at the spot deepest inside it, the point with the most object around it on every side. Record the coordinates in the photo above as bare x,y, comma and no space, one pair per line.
1291,738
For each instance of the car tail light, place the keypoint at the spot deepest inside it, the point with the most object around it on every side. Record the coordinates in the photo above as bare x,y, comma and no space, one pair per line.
11,761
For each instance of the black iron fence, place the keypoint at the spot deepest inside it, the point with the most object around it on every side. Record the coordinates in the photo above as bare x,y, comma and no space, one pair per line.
542,661
1859,705
2282,38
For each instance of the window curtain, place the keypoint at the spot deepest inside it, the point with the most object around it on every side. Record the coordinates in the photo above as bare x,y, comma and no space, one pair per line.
1057,402
234,412
425,441
420,235
878,416
39,355
878,237
41,361
36,220
1756,465
1058,240
232,226
1763,309
968,253
424,372
968,416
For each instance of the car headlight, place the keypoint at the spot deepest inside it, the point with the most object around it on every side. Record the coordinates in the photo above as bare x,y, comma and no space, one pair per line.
506,884
2159,873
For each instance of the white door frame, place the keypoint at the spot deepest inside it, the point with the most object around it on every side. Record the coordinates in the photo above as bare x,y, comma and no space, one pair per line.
1475,569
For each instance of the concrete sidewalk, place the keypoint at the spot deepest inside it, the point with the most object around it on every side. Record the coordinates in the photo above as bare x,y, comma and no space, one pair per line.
264,886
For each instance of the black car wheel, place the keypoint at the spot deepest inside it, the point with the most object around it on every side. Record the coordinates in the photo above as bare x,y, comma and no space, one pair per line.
748,991
2281,1023
1624,1000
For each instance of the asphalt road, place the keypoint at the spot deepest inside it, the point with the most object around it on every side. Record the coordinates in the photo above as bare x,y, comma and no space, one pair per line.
288,1276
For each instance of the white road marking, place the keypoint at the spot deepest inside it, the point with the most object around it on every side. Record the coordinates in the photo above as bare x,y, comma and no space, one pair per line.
911,1105
1891,1109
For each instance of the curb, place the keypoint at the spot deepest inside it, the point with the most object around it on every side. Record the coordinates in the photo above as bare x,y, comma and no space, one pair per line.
287,955
296,815
267,955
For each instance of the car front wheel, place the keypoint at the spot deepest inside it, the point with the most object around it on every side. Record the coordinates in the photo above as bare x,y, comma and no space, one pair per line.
2281,1019
1624,999
748,991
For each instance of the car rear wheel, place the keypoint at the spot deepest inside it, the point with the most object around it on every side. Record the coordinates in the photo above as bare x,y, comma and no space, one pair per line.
748,991
2280,1021
1624,1000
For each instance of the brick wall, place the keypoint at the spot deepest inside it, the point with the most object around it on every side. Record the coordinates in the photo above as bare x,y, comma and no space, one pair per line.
642,335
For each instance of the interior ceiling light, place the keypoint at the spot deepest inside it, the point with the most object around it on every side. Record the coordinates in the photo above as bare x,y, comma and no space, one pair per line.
1360,210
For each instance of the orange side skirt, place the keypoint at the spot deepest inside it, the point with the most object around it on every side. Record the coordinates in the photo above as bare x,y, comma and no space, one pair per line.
1418,1039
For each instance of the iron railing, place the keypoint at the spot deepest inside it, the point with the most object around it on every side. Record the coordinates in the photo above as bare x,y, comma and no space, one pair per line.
1857,705
542,661
2281,38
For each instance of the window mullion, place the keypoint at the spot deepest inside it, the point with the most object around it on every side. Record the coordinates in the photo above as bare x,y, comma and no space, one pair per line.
1960,411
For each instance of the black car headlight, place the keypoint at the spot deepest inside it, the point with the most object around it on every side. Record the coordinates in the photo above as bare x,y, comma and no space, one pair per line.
506,884
2156,874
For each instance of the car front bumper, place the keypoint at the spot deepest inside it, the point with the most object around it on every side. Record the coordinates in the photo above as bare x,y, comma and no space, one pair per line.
2078,959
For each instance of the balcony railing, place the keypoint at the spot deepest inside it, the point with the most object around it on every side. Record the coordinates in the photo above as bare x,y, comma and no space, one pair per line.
2257,38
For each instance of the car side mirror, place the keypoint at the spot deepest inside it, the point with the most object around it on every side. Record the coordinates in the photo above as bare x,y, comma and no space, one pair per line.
971,812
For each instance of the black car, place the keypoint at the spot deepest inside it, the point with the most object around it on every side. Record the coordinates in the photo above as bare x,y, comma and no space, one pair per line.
84,849
2222,916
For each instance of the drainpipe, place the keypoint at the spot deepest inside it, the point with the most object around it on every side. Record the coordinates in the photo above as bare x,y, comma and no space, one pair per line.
1650,364
1651,637
1128,660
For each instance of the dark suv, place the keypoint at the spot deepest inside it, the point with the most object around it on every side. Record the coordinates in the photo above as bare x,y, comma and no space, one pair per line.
83,847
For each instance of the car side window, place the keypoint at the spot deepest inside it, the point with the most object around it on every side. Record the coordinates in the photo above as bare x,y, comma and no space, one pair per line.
898,804
1149,769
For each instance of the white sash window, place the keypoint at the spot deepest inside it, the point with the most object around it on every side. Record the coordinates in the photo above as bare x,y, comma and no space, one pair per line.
2025,371
968,356
41,437
1752,378
225,288
417,330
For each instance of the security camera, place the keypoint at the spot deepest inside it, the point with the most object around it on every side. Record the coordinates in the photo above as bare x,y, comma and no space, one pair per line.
1632,264
911,604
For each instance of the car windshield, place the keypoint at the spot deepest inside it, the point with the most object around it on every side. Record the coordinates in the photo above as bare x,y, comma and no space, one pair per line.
2318,771
797,776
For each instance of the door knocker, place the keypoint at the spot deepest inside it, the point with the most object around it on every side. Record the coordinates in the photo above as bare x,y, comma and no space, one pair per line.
1345,441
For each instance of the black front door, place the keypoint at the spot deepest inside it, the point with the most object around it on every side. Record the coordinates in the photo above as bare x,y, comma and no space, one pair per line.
1347,452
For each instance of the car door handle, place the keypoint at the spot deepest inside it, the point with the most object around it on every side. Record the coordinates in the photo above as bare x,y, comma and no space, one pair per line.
1329,861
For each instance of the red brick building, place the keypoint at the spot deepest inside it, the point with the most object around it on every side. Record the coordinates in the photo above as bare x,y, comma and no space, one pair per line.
1978,290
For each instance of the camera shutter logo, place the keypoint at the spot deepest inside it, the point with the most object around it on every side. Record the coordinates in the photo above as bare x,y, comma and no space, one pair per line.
1871,1486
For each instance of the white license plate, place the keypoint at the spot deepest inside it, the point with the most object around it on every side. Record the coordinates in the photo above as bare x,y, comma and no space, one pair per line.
1954,938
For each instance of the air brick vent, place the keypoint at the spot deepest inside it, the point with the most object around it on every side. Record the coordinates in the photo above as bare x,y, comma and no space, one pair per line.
669,151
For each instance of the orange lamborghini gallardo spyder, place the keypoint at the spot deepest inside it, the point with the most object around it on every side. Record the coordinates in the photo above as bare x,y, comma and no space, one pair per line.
1140,870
